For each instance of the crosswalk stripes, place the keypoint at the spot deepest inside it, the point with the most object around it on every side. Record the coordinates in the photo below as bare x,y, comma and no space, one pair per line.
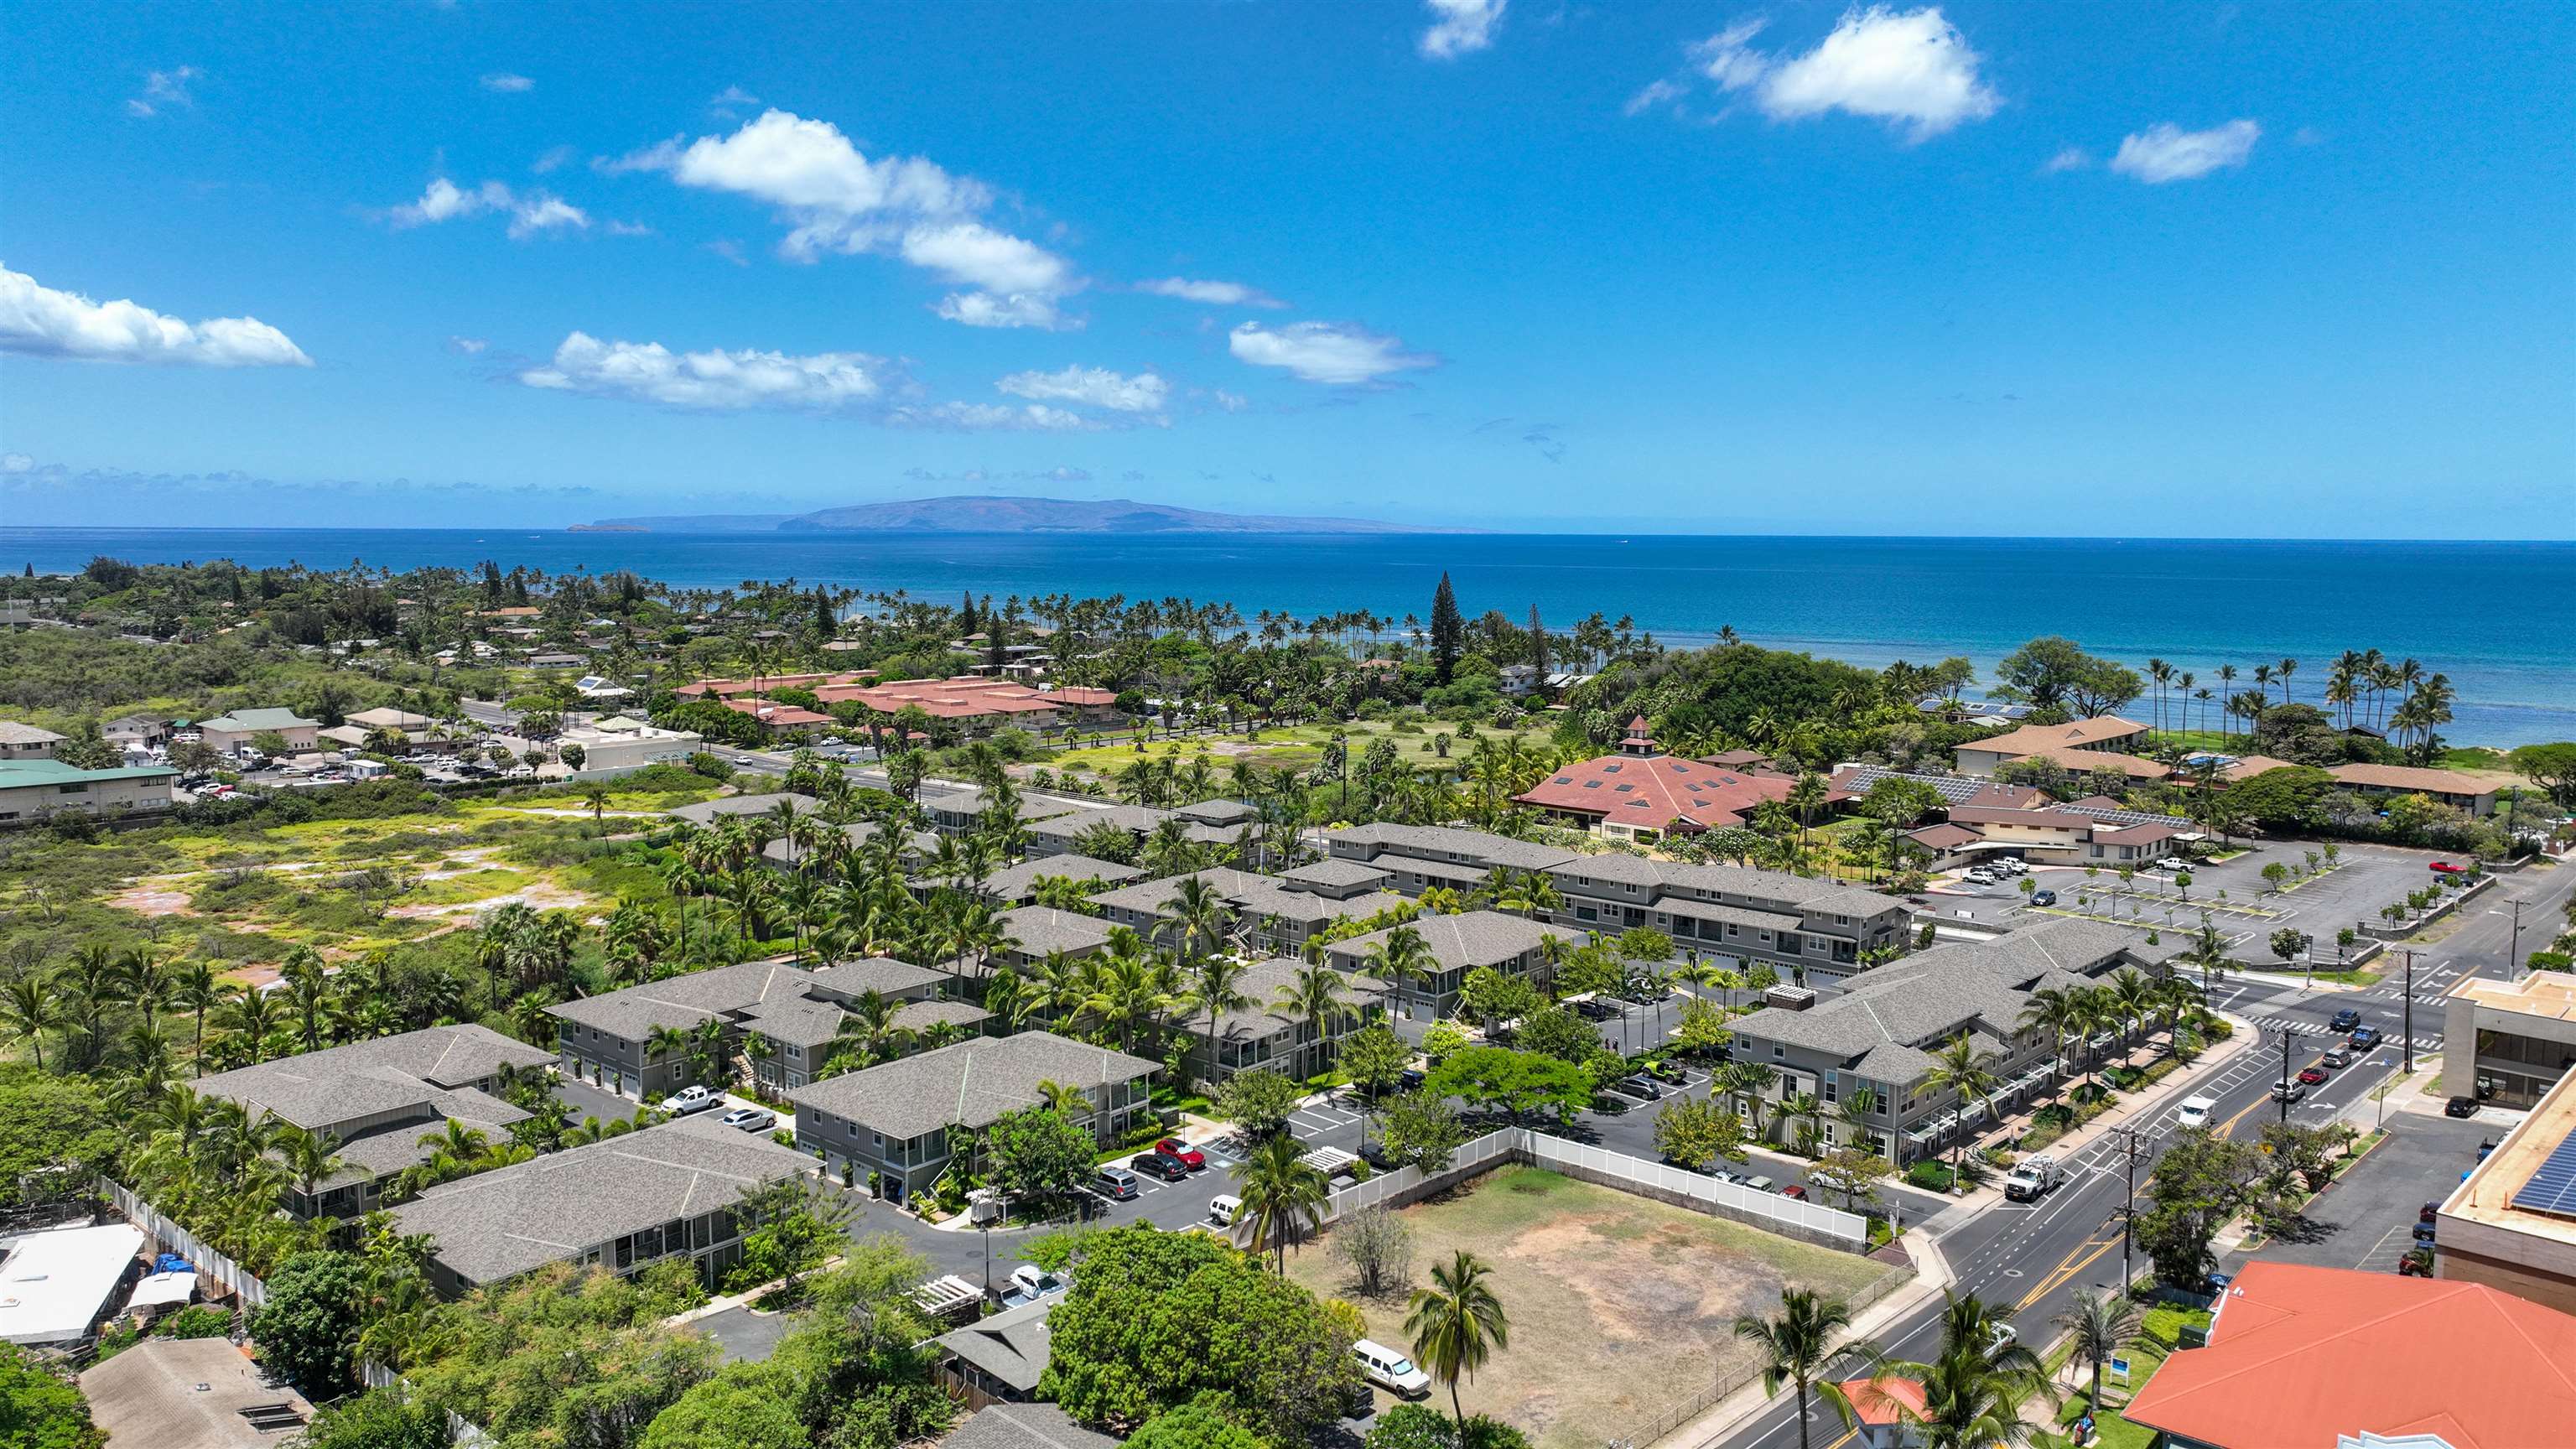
2294,1026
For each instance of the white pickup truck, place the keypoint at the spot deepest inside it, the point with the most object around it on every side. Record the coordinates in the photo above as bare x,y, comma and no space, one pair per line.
2032,1178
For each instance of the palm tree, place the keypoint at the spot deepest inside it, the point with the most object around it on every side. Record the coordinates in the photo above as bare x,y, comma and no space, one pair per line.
1973,1392
1804,1113
194,988
1219,990
1456,1324
313,1158
1315,994
1959,1067
1797,1347
2055,1010
1283,1194
31,1007
868,1029
2098,1325
1198,917
1401,956
1747,1080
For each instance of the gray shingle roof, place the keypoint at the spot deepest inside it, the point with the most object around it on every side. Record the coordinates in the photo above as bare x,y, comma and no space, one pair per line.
1696,910
19,732
969,1084
684,1001
1041,929
339,1084
1427,840
923,1015
1311,910
1016,883
1217,812
1024,1426
1136,819
1470,939
1012,1346
1335,874
497,1224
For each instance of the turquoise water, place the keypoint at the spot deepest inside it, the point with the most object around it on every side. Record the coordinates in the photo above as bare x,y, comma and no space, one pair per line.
2499,618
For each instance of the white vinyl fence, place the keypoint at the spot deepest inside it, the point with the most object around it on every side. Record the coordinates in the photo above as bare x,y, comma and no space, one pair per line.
1809,1221
169,1237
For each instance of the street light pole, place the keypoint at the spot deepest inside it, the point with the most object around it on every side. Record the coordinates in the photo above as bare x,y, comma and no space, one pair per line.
2128,1205
2284,1093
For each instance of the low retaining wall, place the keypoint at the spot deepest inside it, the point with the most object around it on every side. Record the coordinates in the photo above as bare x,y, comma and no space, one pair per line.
1806,1221
169,1237
2384,931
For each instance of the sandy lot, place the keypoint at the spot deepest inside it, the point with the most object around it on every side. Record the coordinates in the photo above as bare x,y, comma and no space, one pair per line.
1619,1305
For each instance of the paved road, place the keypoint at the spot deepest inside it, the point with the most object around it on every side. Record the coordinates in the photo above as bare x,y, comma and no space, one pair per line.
2033,1258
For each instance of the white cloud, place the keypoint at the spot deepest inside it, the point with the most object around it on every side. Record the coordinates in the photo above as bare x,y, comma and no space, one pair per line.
1213,293
555,159
993,417
973,254
1232,402
467,345
1459,26
2166,152
508,83
1728,59
2068,158
835,199
1324,352
715,381
1655,93
1092,387
732,96
530,212
984,309
16,463
163,88
38,321
1914,68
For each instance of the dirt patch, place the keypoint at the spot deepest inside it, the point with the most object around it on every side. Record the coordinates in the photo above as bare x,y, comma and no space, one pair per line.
1619,1306
541,897
155,897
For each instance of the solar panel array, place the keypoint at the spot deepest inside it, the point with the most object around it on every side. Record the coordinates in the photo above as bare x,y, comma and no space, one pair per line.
2553,1188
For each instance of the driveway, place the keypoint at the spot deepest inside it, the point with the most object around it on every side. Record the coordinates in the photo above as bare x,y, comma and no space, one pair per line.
2364,1219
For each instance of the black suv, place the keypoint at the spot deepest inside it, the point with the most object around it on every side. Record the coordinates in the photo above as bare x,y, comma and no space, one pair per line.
2344,1020
1160,1164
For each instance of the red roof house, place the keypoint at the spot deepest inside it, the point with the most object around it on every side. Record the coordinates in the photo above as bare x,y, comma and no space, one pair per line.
2300,1356
1643,791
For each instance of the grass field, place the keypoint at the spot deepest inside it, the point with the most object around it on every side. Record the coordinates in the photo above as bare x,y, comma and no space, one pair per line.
1291,747
1619,1305
246,893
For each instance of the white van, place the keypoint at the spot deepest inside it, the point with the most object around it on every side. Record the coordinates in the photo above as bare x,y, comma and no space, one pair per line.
2195,1111
1222,1209
1390,1370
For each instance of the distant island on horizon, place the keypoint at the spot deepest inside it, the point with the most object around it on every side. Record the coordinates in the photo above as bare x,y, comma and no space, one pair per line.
994,513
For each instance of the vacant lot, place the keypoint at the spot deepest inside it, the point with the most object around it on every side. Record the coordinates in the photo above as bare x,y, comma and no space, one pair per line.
1619,1305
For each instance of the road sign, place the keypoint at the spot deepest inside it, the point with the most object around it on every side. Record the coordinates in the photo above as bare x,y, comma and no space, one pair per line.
2120,1369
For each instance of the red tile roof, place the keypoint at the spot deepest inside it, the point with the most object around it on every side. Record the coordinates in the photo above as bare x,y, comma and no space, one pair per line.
1875,1401
1654,792
770,712
2300,1355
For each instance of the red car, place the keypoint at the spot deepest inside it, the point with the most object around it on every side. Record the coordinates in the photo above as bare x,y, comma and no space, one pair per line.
1794,1190
2444,867
2313,1076
1191,1157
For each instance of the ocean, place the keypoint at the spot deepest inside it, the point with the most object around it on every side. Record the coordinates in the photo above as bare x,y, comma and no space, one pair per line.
2498,618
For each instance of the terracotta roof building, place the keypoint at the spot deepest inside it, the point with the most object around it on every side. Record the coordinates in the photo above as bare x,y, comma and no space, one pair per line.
1643,793
2306,1358
2101,733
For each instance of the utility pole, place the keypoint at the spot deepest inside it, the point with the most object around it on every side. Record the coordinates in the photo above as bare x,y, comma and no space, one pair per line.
2407,1020
2128,1205
2283,1095
2513,951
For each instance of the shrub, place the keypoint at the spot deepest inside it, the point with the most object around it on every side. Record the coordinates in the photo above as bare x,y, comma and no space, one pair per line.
1931,1175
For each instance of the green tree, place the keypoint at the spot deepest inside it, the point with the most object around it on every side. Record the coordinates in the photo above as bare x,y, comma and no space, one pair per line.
308,1328
2097,1326
1154,1320
1702,1029
1959,1068
1519,1083
38,1410
1448,632
1419,1426
1258,1100
2201,1182
1283,1195
1457,1323
2552,767
792,1226
1421,1129
1559,1033
1693,1132
1200,1424
55,1135
1797,1348
380,1419
742,1407
1039,1156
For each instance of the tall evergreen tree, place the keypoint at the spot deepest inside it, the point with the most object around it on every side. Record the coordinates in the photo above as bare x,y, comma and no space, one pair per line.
1538,648
966,617
1448,630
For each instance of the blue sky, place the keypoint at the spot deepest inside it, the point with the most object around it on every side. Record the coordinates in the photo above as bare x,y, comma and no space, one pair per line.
1987,268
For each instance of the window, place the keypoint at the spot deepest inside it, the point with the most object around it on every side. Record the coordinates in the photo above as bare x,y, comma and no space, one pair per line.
1779,1051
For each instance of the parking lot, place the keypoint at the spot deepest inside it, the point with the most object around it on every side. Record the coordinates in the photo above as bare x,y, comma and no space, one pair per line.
2365,1218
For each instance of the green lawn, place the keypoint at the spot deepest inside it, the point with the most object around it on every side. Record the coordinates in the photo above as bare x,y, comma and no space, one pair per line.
2163,1331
